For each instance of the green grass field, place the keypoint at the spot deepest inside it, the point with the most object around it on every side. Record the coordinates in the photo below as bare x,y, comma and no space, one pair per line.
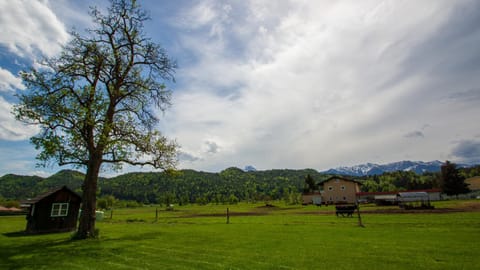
197,237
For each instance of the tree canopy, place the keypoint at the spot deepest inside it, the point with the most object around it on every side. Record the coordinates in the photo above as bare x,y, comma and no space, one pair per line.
97,102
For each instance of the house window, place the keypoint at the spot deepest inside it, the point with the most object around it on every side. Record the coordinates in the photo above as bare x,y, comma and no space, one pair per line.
59,210
344,198
342,187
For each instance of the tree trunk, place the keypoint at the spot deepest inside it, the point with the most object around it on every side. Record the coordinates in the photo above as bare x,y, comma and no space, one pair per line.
86,227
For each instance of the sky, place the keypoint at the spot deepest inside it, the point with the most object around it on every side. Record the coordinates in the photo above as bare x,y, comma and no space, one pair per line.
282,84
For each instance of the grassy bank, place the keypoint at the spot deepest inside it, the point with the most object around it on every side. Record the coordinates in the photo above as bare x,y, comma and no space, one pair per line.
197,237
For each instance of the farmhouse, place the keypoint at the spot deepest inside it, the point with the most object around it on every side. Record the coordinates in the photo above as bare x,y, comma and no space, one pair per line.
53,211
334,190
340,190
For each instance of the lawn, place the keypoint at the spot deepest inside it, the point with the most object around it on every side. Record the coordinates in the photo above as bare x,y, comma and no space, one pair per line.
197,237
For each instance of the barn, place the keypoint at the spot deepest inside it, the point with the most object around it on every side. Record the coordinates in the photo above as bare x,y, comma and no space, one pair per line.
54,211
334,190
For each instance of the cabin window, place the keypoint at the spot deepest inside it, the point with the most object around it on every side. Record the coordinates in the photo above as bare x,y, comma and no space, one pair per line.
59,210
342,187
330,188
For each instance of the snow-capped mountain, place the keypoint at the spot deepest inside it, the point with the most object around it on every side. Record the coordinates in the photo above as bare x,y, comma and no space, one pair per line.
250,168
373,169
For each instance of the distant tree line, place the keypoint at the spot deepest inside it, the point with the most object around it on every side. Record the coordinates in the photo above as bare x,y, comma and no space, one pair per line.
450,179
400,180
179,187
226,187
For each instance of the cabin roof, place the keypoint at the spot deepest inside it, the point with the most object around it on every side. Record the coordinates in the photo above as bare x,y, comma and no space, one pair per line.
48,193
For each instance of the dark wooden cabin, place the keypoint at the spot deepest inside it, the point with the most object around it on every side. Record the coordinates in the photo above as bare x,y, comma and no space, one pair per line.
53,211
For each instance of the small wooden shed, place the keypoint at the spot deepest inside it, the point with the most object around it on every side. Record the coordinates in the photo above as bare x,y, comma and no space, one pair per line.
54,211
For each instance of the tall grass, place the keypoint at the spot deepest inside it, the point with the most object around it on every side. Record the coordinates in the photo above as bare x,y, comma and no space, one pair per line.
195,237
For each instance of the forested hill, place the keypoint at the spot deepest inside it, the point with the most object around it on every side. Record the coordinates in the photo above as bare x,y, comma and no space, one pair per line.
228,186
19,187
187,186
183,186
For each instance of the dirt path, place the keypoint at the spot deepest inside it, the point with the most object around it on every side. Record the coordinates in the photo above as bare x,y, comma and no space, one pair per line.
266,210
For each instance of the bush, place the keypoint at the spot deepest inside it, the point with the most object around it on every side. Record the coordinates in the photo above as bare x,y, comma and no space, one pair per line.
106,202
232,199
10,204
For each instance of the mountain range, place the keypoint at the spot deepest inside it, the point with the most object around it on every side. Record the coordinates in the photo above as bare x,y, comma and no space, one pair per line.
367,169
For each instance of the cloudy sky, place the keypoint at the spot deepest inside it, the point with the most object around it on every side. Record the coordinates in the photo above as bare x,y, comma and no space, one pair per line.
283,84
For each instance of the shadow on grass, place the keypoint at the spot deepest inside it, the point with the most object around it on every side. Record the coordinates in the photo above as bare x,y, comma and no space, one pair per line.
31,253
50,251
25,234
16,234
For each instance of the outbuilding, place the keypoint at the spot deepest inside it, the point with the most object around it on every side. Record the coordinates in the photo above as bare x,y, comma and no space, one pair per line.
54,211
409,200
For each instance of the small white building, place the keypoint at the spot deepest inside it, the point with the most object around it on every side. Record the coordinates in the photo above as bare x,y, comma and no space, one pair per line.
385,199
413,197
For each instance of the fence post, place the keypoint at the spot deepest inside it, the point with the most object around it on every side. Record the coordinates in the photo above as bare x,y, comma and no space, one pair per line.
228,216
359,217
156,214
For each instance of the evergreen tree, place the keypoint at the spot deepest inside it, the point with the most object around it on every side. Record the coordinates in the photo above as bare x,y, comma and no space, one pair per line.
452,182
309,184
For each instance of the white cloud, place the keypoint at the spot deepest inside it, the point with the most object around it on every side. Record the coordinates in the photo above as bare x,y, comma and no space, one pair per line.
318,84
10,129
29,30
30,27
297,84
9,82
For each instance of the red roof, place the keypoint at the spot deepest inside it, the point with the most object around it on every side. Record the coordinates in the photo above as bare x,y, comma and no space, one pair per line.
433,190
12,209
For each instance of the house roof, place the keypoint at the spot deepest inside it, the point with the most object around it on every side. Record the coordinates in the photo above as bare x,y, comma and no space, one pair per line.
48,193
11,209
341,178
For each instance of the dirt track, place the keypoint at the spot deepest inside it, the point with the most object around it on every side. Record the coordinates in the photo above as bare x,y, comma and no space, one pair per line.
266,210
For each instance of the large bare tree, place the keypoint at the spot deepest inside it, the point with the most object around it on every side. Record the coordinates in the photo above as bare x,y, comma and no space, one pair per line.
97,102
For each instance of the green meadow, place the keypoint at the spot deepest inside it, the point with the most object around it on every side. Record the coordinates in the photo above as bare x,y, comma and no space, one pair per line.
257,237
